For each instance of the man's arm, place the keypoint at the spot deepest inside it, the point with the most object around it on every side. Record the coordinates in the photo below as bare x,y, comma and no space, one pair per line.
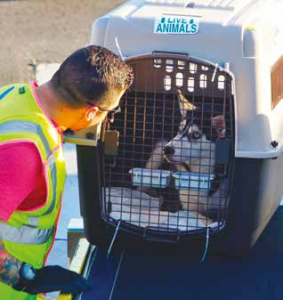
9,267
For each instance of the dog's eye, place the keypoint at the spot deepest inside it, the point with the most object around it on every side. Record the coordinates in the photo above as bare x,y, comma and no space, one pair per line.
195,135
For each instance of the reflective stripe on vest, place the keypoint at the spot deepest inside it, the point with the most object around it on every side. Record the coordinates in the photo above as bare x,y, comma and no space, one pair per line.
5,93
24,234
53,169
24,126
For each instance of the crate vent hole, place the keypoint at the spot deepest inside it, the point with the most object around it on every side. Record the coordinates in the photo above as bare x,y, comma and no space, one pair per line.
169,65
181,64
221,82
203,81
191,84
167,83
157,63
193,68
179,79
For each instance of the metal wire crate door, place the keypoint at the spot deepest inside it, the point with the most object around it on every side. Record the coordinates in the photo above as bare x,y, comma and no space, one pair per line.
171,173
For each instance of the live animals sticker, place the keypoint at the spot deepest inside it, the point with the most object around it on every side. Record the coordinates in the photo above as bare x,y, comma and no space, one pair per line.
175,24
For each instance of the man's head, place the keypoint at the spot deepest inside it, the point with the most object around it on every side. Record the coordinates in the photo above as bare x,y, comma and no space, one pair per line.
92,79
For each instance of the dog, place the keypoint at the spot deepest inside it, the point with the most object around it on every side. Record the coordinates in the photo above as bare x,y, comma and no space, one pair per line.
193,150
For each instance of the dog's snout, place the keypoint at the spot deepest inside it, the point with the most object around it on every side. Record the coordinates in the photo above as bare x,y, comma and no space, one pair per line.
169,150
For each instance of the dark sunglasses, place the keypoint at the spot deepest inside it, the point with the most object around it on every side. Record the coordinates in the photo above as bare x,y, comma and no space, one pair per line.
110,112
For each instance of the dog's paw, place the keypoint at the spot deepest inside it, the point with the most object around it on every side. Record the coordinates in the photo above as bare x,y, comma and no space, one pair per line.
214,214
149,191
171,206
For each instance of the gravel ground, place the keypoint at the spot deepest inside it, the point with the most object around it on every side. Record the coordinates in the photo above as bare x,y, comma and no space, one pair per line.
44,31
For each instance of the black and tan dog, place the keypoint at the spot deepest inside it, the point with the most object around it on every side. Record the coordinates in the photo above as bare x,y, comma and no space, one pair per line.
191,150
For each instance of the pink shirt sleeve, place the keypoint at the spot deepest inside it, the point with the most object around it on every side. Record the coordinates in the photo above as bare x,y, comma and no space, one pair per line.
20,165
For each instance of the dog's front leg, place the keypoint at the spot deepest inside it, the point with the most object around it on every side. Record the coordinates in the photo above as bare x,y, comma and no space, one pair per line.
154,162
190,200
156,158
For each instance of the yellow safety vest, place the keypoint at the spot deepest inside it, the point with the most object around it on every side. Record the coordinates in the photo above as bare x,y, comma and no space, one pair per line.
29,235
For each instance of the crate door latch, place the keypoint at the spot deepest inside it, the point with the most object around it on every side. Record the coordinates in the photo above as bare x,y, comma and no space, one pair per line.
111,142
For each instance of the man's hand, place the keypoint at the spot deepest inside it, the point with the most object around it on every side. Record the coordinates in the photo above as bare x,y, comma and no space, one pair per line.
53,278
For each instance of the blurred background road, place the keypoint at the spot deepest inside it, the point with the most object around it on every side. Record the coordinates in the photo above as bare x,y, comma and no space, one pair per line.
44,31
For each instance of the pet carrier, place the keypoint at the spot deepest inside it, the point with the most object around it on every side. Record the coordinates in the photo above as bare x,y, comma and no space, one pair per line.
194,156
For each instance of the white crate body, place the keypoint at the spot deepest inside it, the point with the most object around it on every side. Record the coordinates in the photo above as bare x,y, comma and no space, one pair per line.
243,35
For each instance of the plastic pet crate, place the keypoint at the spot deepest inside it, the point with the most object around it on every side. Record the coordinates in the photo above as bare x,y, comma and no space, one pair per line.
205,108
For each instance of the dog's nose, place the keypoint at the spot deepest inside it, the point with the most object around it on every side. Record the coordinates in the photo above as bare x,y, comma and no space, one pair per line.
168,150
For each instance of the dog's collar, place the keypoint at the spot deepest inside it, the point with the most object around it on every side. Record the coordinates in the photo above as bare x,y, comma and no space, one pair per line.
220,133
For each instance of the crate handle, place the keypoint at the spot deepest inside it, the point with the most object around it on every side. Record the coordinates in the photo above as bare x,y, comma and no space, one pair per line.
161,236
166,54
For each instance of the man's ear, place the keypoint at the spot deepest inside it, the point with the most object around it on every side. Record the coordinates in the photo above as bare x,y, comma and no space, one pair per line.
91,113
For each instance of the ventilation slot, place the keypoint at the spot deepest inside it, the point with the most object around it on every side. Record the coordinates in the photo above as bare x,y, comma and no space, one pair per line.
169,65
179,79
203,81
157,63
181,64
167,83
221,82
191,84
193,68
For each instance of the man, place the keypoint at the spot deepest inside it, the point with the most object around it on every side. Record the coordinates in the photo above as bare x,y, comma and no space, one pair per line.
88,86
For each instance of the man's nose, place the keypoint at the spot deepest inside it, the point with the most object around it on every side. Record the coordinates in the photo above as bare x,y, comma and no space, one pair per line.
168,150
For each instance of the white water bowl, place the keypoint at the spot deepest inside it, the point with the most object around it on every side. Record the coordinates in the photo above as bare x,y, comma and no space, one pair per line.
150,178
192,181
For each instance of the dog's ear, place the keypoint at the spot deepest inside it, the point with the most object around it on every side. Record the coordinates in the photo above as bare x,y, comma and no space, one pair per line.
219,124
184,103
